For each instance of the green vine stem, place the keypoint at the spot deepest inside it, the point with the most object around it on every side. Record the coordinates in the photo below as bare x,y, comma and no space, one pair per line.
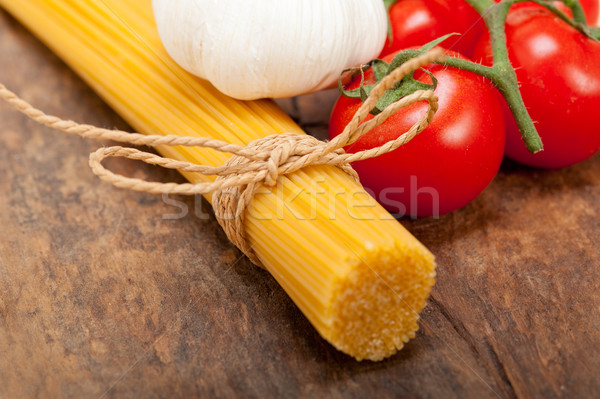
578,22
578,14
501,73
388,4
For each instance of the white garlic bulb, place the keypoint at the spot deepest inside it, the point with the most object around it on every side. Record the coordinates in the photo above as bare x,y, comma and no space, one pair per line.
270,48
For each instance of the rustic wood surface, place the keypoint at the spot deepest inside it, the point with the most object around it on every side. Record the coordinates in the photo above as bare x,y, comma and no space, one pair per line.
108,293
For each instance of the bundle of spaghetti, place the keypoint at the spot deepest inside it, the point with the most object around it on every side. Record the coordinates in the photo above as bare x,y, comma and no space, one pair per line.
359,277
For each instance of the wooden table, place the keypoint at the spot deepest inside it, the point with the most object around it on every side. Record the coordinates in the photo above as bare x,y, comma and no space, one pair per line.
111,293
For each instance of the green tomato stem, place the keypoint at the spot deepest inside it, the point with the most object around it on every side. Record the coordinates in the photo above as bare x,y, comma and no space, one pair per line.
578,13
501,74
389,3
578,21
505,83
470,66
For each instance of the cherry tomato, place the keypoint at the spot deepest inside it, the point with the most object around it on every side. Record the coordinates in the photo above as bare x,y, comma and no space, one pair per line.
590,8
558,4
417,22
448,164
559,74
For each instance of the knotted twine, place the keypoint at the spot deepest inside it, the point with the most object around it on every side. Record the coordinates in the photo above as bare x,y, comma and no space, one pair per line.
259,163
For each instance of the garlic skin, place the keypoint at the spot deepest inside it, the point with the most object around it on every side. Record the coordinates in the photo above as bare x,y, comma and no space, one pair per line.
270,48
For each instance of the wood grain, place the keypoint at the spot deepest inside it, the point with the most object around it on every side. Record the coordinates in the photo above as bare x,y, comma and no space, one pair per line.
109,293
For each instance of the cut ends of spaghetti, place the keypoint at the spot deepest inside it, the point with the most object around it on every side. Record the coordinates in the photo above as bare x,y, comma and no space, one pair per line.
376,306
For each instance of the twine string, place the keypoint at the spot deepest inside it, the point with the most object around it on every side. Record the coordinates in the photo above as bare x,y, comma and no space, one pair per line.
259,163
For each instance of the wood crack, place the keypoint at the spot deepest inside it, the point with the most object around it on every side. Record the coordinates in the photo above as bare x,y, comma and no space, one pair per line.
497,367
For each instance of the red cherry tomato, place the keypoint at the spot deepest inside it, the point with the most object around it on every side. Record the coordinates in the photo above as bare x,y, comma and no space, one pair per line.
559,74
558,4
448,164
590,8
417,22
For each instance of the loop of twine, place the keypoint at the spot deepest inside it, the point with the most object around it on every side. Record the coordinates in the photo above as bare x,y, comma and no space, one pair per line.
259,163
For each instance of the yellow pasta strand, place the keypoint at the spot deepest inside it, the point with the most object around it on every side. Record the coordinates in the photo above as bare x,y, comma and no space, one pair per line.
354,271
